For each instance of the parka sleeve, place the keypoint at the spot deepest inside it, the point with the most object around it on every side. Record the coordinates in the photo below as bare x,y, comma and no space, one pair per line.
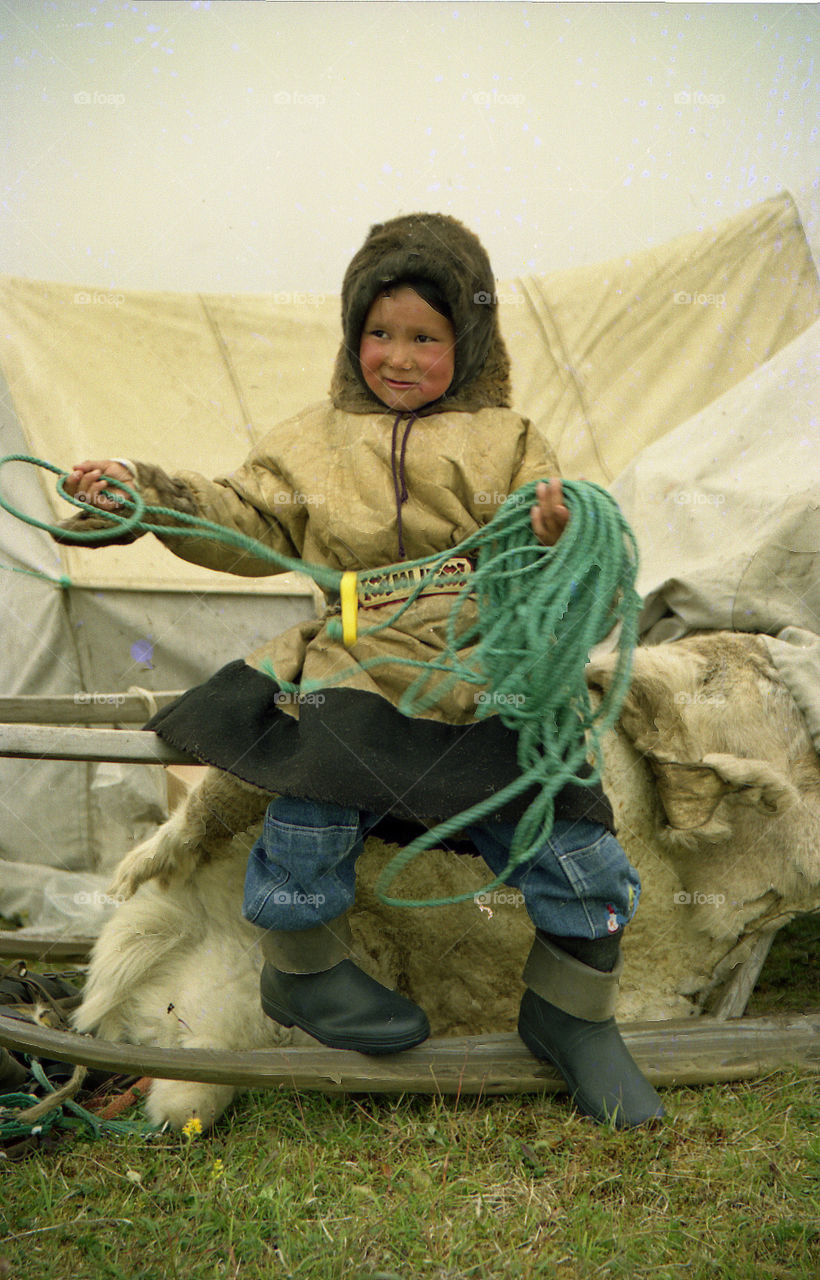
536,459
255,500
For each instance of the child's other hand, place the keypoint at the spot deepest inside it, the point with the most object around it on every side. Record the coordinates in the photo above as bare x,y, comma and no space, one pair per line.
549,516
86,482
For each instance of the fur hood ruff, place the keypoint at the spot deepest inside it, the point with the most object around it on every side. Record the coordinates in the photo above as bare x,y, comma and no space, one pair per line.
438,248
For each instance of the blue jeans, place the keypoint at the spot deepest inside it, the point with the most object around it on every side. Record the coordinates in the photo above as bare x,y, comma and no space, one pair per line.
301,871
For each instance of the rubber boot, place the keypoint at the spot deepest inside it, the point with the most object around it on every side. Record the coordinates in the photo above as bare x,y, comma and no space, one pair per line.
309,981
567,1018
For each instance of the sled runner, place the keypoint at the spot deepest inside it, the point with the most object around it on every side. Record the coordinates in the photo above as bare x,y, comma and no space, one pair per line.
683,1051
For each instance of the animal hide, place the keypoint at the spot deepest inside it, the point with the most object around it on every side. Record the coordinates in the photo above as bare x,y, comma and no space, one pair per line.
715,786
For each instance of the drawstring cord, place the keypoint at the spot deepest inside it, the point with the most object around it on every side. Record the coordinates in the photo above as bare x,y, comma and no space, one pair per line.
399,484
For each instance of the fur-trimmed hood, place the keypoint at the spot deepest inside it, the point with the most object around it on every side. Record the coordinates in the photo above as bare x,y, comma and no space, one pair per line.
438,248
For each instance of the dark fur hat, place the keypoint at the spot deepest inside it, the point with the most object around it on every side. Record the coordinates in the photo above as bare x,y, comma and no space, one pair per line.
438,248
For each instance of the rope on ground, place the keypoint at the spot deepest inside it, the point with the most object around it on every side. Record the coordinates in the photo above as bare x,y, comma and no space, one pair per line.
22,1115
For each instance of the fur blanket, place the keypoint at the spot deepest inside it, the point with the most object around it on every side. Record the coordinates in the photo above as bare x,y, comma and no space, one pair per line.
715,786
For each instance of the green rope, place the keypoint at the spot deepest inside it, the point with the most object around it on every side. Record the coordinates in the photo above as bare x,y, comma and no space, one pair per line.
540,610
64,582
13,1107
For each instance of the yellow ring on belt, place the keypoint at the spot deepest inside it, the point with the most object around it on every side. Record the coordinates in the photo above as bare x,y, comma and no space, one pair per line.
349,593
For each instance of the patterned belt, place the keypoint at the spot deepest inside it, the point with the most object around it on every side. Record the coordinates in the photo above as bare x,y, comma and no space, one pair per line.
394,586
398,584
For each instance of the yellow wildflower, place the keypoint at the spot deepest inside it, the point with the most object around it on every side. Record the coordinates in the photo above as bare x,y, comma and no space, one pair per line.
193,1127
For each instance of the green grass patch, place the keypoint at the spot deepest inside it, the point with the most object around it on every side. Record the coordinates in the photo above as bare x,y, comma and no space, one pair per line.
318,1187
326,1188
790,980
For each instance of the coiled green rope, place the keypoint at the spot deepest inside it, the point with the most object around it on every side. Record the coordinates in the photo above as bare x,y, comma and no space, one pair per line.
540,610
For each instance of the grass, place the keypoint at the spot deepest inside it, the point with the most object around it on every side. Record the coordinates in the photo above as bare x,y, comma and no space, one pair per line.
415,1188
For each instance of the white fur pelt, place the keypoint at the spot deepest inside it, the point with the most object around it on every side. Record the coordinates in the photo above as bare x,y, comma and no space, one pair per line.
715,786
179,967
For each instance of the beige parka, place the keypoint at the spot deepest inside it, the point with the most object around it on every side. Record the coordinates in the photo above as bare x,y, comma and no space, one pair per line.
325,486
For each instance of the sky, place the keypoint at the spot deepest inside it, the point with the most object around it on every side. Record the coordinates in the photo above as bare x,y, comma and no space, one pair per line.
244,146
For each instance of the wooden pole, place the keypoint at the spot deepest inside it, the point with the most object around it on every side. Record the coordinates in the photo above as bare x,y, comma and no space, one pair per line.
45,742
80,708
689,1051
41,947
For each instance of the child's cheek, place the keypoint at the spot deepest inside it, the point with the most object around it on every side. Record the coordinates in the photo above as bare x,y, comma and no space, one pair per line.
369,356
370,362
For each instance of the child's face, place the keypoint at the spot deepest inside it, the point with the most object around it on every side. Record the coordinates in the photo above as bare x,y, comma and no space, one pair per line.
407,351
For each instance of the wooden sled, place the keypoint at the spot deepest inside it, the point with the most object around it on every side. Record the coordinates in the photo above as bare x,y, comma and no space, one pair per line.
680,1052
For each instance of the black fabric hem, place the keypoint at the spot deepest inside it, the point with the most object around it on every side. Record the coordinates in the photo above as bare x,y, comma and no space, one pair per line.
354,748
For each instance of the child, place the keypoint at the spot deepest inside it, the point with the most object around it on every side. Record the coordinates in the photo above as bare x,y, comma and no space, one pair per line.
414,450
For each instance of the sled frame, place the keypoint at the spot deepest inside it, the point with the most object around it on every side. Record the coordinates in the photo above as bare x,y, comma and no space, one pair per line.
680,1052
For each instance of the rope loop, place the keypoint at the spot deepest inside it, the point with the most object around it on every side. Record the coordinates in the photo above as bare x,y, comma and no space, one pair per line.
520,631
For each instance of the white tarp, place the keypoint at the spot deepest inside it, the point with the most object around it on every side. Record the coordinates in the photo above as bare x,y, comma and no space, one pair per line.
726,510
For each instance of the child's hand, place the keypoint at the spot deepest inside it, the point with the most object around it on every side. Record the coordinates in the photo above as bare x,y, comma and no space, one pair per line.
549,516
87,483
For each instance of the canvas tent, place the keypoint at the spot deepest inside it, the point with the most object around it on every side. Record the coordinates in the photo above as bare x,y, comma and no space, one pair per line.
608,360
